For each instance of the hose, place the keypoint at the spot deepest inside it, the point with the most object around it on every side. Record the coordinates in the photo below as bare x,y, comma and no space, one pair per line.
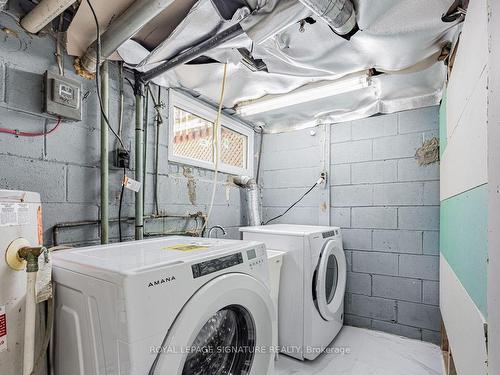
216,144
47,336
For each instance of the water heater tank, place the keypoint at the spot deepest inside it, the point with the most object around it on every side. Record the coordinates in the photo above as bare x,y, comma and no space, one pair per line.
20,217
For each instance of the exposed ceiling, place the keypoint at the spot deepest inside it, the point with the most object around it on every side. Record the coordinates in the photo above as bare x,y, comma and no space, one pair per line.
403,40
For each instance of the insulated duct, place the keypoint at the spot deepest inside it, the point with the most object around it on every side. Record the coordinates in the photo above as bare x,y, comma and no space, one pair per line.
43,13
338,14
123,28
253,199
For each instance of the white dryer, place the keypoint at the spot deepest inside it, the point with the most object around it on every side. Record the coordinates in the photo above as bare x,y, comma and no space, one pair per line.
312,288
175,305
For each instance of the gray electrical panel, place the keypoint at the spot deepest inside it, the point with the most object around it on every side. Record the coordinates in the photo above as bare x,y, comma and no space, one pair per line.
62,96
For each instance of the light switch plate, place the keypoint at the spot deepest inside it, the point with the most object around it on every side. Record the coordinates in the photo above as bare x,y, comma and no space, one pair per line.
62,96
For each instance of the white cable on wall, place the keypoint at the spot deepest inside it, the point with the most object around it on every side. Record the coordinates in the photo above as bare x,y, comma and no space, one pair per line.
216,146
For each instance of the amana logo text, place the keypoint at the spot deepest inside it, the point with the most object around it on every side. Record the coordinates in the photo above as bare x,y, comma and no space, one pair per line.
161,281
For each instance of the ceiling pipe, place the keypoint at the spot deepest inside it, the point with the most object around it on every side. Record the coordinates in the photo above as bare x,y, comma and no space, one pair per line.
338,14
193,52
122,29
43,13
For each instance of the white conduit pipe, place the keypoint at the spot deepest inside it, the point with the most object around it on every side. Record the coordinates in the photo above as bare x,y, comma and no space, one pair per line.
123,28
253,199
29,325
43,13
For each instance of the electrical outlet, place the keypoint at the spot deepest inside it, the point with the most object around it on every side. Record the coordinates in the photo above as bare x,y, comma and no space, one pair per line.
122,158
323,176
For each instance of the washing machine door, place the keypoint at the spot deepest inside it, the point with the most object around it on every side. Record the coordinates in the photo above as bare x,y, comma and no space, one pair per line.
330,280
226,328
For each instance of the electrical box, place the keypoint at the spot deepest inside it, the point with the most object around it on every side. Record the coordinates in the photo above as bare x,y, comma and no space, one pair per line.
62,96
122,159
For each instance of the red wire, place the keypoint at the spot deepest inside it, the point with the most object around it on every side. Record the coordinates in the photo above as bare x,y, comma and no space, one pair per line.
28,134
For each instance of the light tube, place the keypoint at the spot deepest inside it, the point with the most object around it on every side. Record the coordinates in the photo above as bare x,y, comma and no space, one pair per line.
305,94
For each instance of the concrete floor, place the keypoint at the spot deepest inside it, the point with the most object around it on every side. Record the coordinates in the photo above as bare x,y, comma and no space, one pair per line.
369,352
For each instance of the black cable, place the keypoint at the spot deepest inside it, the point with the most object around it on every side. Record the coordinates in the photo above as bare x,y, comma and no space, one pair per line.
97,74
120,205
293,205
130,83
257,176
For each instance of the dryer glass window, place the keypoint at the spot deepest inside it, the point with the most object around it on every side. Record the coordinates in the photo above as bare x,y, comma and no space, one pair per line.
225,345
332,275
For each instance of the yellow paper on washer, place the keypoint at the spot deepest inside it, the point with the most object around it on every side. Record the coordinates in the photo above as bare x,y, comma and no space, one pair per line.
186,247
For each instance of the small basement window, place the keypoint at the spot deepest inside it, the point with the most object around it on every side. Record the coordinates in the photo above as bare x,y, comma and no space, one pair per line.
192,132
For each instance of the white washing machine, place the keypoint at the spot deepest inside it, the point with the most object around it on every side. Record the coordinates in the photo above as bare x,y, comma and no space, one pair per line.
174,305
313,282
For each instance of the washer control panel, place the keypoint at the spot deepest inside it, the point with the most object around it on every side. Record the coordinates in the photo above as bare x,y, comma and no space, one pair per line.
256,257
217,264
331,233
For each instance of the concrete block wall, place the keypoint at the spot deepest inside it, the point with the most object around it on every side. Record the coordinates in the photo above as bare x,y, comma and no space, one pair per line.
64,166
386,204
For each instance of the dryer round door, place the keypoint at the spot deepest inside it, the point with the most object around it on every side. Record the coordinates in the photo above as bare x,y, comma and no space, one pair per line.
330,280
225,328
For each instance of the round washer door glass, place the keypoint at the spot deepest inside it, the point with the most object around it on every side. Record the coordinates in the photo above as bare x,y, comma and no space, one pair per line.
332,277
224,346
330,280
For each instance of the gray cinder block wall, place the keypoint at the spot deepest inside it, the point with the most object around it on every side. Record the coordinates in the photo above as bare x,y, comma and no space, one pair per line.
64,166
386,204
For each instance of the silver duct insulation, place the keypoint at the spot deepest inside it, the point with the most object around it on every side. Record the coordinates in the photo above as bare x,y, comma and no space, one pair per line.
339,14
253,199
123,28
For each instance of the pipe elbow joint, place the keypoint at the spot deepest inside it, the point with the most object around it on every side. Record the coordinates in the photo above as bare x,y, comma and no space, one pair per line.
31,255
89,59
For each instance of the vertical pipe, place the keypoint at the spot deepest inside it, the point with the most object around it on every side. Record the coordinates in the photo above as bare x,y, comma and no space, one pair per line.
104,155
145,147
29,325
139,157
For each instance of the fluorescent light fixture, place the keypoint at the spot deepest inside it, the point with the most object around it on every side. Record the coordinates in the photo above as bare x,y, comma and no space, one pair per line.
305,94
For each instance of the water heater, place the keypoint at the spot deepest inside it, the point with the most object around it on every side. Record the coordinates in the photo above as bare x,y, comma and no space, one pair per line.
20,217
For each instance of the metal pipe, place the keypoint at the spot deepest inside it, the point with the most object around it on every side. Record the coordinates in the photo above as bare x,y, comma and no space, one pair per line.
145,147
123,28
77,224
104,155
139,157
43,13
193,52
338,14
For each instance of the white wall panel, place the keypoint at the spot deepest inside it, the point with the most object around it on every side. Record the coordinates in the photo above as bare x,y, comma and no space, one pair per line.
471,60
464,324
464,161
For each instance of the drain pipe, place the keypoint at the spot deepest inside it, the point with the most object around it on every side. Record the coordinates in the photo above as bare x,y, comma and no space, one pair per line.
139,157
43,13
253,198
123,28
104,155
338,14
21,255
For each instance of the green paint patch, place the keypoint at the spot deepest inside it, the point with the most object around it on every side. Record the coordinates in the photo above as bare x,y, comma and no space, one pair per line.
463,241
443,140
